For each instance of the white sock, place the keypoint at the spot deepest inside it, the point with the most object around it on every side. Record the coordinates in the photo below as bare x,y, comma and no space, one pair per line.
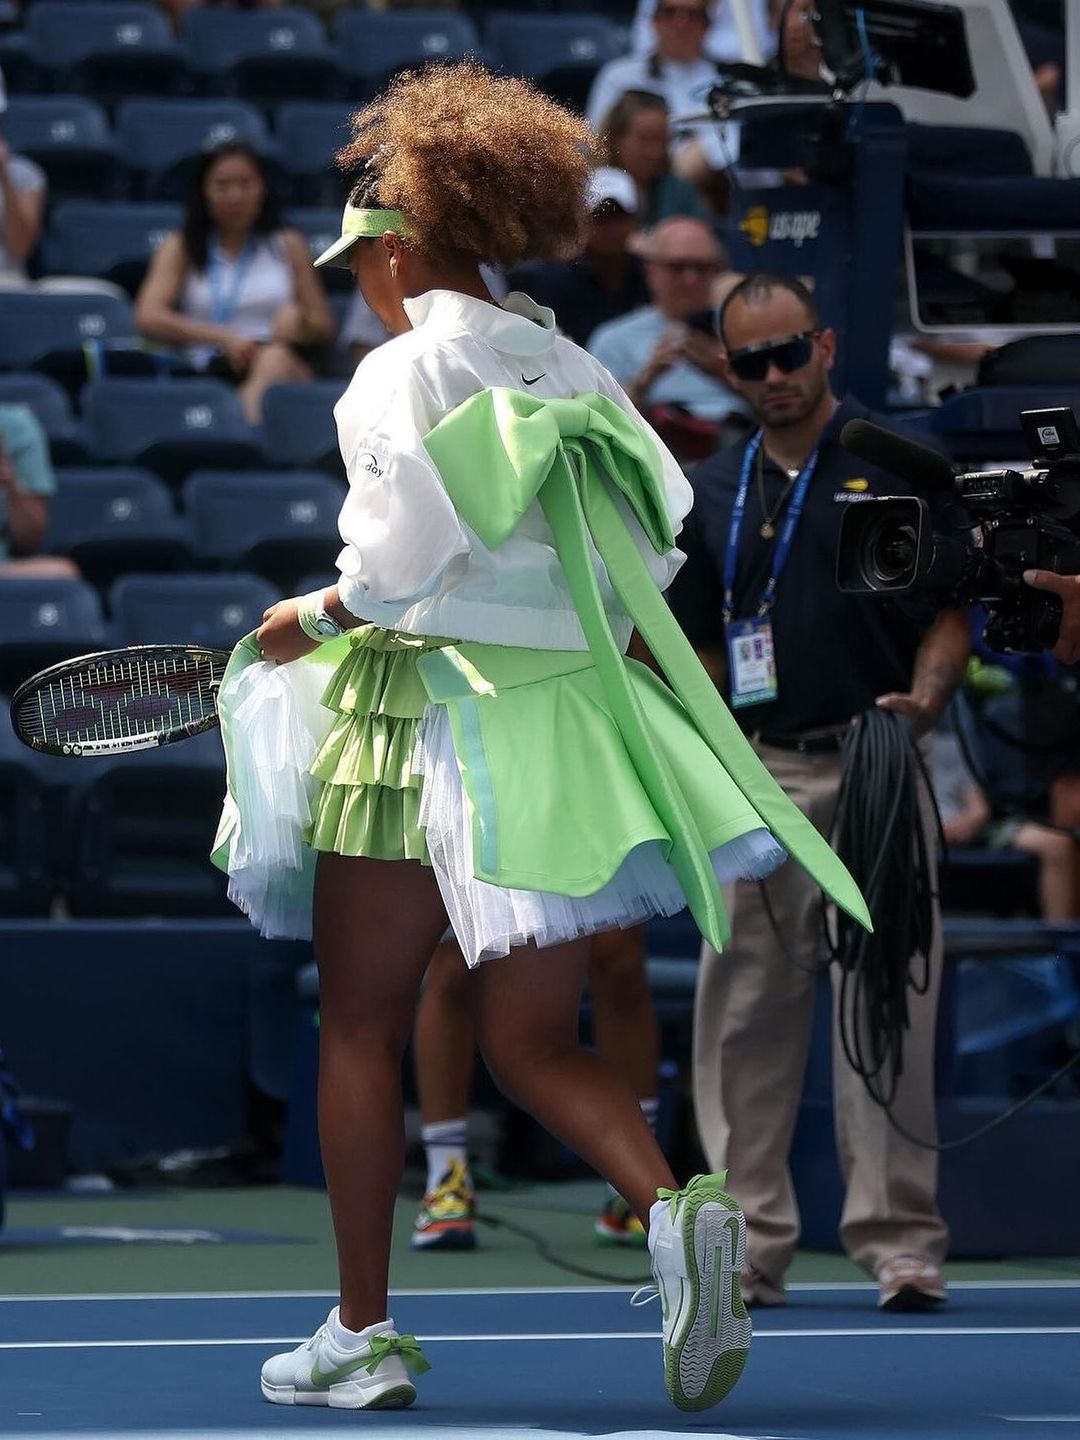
443,1144
346,1339
650,1109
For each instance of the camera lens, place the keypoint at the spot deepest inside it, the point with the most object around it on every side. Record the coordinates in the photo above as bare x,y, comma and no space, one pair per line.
889,553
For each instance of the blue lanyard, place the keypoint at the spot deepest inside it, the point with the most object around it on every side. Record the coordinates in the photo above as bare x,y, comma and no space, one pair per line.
787,532
223,300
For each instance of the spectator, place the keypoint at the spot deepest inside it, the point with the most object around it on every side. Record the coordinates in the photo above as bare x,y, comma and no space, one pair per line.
968,819
666,353
22,209
833,656
680,72
722,42
798,52
633,136
232,287
26,483
606,280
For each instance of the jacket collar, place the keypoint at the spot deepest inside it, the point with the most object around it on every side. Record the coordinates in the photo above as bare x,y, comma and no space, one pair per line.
518,326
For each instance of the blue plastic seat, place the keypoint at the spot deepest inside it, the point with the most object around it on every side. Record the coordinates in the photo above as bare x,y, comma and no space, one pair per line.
172,427
43,621
561,53
113,520
71,337
50,403
24,877
140,828
161,139
106,50
372,47
69,137
277,525
309,135
261,54
108,241
298,421
213,610
984,424
320,226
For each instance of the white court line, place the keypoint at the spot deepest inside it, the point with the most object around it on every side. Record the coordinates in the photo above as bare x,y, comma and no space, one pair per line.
805,1286
546,1336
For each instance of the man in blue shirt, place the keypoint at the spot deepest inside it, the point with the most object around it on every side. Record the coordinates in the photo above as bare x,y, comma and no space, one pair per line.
26,483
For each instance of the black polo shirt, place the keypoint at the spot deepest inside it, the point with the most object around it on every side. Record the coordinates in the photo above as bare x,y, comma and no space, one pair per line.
835,653
574,291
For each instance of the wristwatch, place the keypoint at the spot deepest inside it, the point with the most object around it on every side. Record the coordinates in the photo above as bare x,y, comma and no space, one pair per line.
324,621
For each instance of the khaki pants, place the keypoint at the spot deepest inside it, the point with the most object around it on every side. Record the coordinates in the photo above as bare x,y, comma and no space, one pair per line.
752,1021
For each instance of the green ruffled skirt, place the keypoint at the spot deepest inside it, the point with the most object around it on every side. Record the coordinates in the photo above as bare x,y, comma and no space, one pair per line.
367,798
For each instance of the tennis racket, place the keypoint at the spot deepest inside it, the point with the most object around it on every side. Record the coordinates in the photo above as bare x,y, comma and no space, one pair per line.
119,700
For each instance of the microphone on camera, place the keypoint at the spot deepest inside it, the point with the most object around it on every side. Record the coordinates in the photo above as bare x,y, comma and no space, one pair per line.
905,458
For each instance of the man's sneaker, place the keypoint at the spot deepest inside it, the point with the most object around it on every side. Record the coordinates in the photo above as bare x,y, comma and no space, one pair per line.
375,1377
618,1225
445,1219
697,1238
910,1283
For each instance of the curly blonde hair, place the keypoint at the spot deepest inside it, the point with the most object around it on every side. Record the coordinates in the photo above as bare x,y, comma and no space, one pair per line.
481,165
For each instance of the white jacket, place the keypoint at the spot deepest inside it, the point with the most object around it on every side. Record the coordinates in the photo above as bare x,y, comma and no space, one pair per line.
409,562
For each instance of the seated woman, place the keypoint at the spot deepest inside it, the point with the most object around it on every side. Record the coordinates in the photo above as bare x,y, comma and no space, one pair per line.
233,287
633,136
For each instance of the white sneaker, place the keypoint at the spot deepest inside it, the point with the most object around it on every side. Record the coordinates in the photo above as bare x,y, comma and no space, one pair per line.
374,1377
697,1240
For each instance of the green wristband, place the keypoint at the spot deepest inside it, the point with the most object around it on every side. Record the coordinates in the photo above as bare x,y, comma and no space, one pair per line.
305,616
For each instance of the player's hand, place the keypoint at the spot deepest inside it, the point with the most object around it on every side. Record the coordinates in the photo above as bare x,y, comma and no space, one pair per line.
280,637
1067,647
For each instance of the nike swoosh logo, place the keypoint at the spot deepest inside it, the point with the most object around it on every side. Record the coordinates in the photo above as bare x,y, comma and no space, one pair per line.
731,1225
323,1379
533,382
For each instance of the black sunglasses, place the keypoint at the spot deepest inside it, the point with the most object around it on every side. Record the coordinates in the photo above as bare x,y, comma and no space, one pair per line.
752,361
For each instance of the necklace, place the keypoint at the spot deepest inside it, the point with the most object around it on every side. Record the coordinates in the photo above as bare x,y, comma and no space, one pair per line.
767,529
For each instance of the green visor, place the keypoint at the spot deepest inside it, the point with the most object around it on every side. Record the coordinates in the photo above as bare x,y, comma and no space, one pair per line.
360,224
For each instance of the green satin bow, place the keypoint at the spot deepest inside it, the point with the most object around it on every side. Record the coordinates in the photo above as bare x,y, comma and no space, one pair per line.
407,1346
502,449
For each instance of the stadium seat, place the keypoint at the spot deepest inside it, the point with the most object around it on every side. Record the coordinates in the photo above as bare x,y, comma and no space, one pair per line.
43,621
372,47
69,137
71,337
108,241
161,139
140,829
50,403
213,610
260,54
309,135
320,226
277,525
24,878
115,520
105,50
172,426
298,422
984,424
561,53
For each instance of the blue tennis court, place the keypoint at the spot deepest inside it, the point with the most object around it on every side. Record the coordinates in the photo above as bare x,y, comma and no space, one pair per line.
1000,1360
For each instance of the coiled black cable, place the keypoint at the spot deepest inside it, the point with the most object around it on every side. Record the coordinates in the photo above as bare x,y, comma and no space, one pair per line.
879,834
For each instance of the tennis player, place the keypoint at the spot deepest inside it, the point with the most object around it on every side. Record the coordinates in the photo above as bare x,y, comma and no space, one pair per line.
488,754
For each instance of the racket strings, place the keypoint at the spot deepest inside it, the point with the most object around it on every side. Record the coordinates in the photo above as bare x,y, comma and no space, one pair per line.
113,701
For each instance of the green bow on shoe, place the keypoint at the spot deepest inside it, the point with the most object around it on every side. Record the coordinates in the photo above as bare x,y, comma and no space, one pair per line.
581,459
407,1346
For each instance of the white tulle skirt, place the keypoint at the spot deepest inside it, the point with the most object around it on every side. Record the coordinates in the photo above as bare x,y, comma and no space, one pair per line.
275,727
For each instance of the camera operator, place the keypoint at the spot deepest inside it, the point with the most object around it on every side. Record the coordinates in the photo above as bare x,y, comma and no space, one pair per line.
761,573
1067,646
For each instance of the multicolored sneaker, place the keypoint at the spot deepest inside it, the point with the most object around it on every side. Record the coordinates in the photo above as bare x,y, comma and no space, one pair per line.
697,1240
445,1220
618,1225
375,1377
